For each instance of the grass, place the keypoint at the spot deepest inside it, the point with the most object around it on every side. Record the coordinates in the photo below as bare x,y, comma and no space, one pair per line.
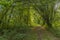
29,35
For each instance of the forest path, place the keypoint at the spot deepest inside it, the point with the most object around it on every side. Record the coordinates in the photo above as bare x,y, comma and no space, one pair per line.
43,34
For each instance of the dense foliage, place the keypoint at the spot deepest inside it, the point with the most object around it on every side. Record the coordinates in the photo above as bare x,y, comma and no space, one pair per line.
17,17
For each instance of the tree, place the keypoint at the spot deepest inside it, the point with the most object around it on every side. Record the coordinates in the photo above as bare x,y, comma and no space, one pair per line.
46,10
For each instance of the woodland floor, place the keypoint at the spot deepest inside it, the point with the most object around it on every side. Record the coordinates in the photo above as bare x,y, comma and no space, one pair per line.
40,34
34,34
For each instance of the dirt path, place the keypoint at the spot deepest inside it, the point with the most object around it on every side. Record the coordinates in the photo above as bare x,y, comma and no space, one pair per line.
44,34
